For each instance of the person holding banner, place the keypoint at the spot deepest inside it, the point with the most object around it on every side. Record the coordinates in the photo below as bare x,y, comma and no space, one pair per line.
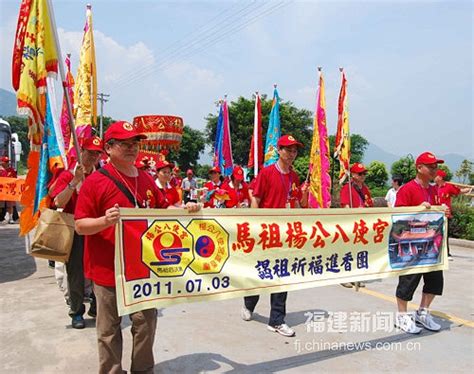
64,194
419,192
359,194
277,186
445,192
7,171
357,197
237,189
118,184
213,184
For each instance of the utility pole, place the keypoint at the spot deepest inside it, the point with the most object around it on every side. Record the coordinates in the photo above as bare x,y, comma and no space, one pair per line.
102,98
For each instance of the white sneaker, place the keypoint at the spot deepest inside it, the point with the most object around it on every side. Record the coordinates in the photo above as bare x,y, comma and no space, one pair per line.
246,314
405,322
424,318
283,329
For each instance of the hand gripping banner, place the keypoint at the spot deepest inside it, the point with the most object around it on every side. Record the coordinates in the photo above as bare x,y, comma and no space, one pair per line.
164,257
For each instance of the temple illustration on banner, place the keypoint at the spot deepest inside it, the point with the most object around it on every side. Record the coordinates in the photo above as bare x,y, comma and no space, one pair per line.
416,240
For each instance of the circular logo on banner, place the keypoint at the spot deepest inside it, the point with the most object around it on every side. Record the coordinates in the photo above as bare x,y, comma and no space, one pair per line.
167,248
211,248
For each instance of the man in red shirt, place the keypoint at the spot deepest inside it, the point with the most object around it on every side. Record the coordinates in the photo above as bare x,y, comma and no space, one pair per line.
97,212
8,172
277,186
64,194
445,192
359,194
419,192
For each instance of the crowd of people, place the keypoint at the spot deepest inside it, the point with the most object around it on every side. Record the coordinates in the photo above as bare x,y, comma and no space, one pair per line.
109,177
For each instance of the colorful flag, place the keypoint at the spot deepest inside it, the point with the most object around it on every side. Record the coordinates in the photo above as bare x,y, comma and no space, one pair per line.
34,59
226,161
273,132
219,136
85,96
342,147
65,128
50,160
319,165
256,145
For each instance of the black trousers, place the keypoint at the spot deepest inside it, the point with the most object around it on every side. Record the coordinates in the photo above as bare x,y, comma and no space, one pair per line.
75,276
278,307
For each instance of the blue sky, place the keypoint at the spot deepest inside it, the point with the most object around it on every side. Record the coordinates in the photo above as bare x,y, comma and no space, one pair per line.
408,63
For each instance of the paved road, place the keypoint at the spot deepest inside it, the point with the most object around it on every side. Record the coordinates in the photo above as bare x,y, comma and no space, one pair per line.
210,337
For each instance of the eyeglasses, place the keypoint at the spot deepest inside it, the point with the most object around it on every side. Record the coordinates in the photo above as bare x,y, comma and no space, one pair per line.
290,150
362,174
127,143
431,166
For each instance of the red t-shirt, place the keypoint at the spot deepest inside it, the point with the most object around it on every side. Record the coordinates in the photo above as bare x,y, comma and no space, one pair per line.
62,179
414,194
275,189
176,181
445,193
99,193
357,200
170,192
8,172
237,196
210,185
61,183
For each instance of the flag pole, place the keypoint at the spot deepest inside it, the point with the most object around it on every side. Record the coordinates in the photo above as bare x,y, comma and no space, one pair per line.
63,80
348,171
255,137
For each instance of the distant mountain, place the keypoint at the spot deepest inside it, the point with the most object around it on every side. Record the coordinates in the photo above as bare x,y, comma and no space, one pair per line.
375,153
7,103
454,160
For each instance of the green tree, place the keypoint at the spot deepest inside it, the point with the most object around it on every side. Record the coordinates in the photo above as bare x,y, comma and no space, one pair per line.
294,121
301,166
192,145
465,172
405,167
358,146
377,175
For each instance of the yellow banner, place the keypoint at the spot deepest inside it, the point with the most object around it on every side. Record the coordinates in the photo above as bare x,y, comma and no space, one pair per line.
11,189
164,257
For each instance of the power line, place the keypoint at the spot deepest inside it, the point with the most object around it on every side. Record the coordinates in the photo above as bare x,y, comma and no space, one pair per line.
208,40
175,46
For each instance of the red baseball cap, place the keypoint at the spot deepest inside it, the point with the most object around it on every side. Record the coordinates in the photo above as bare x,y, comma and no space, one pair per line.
441,173
238,173
358,168
176,169
189,171
164,164
428,158
215,169
287,140
122,130
93,144
4,159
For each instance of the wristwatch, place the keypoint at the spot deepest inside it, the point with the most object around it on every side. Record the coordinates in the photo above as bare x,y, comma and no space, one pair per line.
71,186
